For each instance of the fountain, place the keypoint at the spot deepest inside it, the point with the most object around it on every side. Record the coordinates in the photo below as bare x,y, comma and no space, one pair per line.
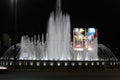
58,39
58,44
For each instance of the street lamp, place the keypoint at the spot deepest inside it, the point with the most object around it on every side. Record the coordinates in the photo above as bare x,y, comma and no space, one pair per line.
14,5
15,30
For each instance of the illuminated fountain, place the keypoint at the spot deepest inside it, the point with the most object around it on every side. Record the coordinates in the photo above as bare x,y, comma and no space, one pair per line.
58,44
58,36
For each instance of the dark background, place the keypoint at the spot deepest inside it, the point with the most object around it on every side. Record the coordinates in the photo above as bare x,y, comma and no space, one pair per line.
33,15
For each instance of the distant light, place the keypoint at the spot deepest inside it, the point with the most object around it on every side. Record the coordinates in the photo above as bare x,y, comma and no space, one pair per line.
73,64
86,64
92,63
114,63
38,63
11,58
79,63
3,68
31,63
6,62
103,63
66,64
51,64
20,63
98,63
110,63
44,64
10,63
58,64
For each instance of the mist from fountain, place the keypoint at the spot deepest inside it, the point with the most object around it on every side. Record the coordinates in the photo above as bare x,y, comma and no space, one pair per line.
32,48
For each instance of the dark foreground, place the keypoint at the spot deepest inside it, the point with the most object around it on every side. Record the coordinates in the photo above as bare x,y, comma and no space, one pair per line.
84,75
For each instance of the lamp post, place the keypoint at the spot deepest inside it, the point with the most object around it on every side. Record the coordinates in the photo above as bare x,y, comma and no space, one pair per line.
15,30
14,5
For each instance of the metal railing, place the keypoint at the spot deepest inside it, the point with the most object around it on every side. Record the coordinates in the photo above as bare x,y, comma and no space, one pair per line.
60,65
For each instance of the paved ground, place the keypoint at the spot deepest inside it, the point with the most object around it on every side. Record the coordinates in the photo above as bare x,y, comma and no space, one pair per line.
24,75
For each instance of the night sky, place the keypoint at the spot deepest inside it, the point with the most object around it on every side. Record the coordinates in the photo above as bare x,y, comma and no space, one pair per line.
33,15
